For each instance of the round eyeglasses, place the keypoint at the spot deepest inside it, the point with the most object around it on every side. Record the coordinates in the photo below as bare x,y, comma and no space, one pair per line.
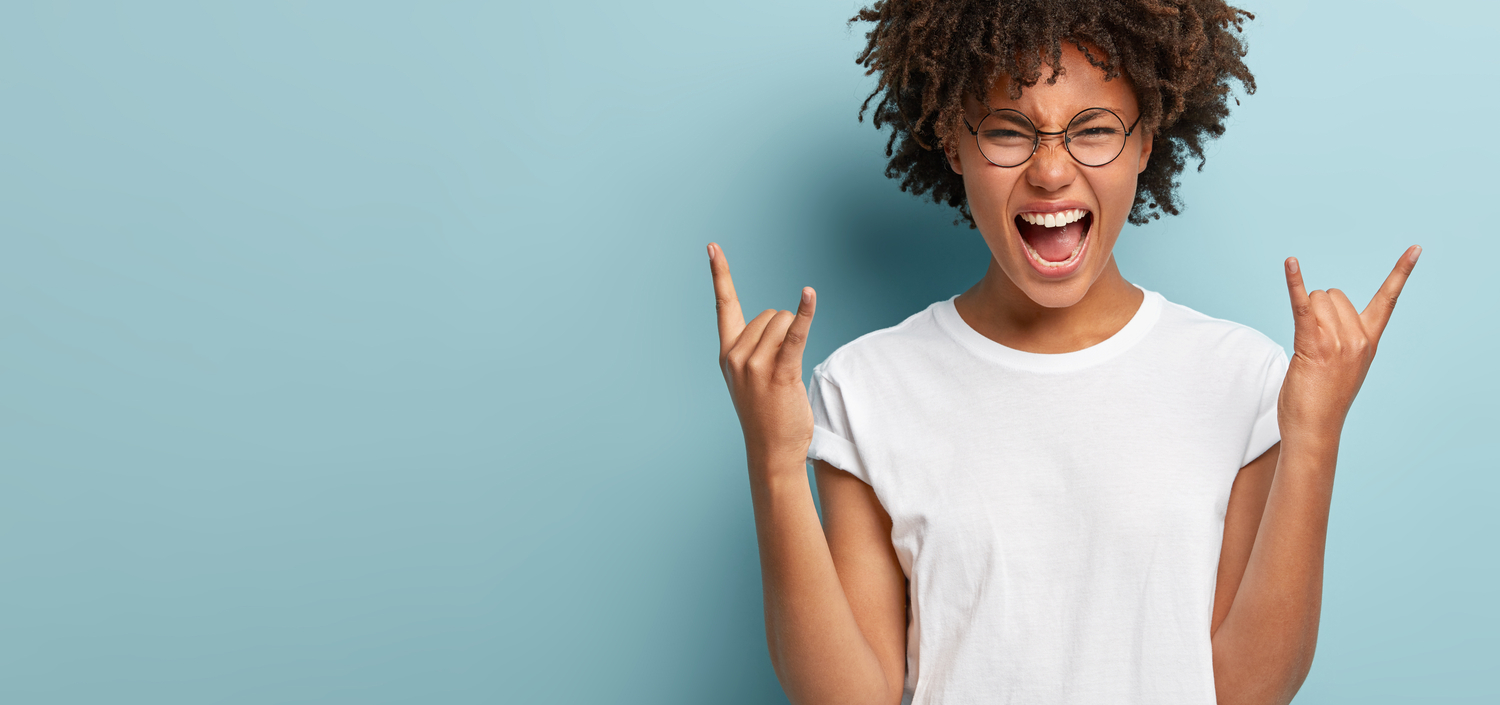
1094,137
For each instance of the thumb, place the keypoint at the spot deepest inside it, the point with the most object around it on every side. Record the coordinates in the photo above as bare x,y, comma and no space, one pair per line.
789,358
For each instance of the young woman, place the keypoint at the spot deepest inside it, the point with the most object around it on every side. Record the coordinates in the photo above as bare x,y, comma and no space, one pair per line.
1056,487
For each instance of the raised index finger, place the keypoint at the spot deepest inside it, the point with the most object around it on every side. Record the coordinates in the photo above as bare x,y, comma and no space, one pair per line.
731,320
1302,313
1378,312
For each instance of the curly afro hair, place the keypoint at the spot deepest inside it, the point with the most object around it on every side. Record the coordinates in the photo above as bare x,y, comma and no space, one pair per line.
1179,56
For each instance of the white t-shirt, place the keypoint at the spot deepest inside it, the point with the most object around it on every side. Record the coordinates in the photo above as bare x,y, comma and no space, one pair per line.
1058,517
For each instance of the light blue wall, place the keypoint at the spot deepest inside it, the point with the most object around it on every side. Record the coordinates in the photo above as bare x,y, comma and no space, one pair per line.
364,352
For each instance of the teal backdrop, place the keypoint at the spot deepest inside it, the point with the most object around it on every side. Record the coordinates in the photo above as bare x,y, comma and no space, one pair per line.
364,352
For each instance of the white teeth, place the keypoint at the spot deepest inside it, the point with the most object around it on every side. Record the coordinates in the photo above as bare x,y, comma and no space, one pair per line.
1054,220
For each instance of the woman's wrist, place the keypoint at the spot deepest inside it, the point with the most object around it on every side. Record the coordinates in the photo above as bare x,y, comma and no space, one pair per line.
773,463
1313,434
1309,447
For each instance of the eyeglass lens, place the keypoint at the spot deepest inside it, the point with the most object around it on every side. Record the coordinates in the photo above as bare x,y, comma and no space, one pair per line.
1094,137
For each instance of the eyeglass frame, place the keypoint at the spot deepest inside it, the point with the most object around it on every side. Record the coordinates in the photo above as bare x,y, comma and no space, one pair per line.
1036,138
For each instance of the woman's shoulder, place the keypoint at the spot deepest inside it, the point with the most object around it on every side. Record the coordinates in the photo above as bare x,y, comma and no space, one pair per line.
915,336
1189,328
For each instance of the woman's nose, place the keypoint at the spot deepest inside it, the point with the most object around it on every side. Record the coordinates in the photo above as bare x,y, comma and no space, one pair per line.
1051,167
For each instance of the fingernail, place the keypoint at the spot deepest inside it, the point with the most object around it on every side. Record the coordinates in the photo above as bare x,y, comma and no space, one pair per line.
806,295
710,250
1418,253
1291,265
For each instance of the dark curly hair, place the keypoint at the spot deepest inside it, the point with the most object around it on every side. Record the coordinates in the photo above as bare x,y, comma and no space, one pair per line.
1179,55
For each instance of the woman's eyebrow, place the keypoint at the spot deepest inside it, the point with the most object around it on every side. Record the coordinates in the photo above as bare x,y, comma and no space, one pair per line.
1111,108
1011,118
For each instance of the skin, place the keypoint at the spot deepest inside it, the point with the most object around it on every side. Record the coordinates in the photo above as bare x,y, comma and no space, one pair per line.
835,596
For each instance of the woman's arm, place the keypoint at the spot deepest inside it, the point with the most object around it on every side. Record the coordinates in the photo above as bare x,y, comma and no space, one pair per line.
817,609
859,538
1247,504
1263,648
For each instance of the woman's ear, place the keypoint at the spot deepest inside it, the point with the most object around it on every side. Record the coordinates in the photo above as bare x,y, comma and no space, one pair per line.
1146,140
950,149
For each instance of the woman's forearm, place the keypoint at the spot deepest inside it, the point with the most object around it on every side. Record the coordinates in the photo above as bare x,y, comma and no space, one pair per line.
1264,648
819,653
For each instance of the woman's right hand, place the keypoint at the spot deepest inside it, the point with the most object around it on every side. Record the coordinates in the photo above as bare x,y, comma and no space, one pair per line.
762,364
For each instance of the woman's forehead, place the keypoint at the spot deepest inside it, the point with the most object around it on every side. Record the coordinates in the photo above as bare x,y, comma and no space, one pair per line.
1078,85
1044,104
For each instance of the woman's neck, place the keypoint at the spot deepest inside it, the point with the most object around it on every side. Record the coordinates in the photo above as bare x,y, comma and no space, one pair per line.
1002,312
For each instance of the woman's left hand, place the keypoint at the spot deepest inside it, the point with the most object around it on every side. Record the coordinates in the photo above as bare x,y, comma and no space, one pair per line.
1333,348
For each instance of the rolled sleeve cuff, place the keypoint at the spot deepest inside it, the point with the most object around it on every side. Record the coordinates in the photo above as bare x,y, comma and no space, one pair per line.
1265,434
838,452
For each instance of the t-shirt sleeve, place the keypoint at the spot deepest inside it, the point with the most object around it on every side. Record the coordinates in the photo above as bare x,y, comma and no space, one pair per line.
831,440
1266,433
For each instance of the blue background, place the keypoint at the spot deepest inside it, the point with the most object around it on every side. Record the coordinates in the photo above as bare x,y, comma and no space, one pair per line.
364,352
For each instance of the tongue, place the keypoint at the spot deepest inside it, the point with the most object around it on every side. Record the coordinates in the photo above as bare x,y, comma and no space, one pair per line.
1052,244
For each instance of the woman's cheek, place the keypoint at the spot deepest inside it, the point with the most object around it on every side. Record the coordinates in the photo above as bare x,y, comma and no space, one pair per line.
986,200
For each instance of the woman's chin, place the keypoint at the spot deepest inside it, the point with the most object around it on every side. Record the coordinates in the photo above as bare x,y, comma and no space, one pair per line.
1055,294
1049,285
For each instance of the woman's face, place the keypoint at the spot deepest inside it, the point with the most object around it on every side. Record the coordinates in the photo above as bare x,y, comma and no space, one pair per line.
1055,266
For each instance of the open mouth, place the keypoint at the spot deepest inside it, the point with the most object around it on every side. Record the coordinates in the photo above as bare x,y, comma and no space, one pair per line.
1055,241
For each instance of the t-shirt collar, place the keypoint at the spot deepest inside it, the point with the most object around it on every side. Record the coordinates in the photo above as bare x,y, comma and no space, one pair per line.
1139,325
